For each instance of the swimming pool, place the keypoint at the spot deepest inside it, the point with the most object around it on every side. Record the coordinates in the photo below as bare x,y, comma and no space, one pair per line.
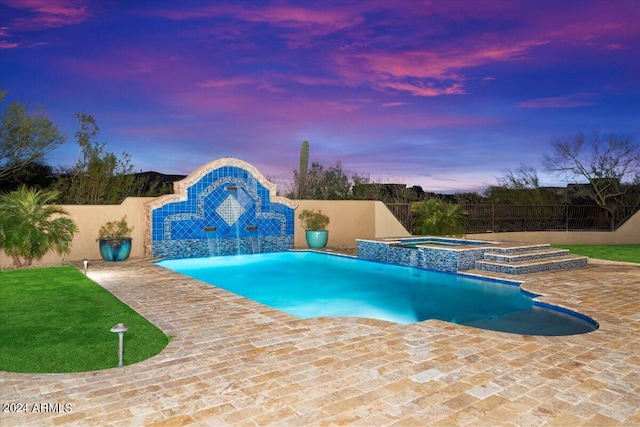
308,284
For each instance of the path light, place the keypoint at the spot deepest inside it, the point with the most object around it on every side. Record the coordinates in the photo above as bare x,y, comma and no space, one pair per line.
120,328
86,265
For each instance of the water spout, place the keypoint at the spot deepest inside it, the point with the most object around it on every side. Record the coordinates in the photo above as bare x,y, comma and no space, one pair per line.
254,238
212,240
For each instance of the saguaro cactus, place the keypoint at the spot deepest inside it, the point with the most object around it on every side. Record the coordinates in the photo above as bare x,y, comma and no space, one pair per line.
304,162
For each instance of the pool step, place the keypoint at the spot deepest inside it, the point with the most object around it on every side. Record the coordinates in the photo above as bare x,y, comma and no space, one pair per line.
528,259
522,256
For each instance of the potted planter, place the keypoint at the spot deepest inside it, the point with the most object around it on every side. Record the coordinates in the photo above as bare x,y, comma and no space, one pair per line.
115,240
315,223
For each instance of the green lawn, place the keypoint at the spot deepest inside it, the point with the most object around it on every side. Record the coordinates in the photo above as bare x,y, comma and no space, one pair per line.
58,320
626,253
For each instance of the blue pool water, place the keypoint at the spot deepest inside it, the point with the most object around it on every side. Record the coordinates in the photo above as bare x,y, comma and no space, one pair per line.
414,241
308,284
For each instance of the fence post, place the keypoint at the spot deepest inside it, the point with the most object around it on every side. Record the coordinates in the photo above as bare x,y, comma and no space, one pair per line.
493,217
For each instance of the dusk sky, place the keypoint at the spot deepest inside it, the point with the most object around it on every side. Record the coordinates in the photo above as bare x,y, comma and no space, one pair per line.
442,94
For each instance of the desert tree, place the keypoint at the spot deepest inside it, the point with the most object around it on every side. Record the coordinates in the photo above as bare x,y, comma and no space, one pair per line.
521,186
610,163
99,176
25,137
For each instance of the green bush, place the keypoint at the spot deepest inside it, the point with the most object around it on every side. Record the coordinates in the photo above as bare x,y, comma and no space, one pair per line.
435,217
115,229
313,220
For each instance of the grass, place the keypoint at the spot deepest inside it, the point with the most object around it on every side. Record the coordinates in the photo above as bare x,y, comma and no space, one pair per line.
58,320
626,253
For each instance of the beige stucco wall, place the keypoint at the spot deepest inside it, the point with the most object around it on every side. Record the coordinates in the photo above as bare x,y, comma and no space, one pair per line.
628,234
89,220
350,220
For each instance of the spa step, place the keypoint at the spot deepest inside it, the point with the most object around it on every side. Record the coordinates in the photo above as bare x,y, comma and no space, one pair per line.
533,266
511,257
519,249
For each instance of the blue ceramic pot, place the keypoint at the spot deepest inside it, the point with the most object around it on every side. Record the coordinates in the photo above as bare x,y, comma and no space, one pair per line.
317,239
115,249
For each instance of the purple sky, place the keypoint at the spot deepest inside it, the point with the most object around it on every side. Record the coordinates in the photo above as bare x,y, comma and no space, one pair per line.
443,94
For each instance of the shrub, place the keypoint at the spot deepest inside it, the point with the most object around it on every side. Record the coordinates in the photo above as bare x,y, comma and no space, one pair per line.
31,225
313,220
115,229
438,218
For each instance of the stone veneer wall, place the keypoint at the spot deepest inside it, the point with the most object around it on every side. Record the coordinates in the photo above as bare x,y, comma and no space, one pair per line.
229,196
438,259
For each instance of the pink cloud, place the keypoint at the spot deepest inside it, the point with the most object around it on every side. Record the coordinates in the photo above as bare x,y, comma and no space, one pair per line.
446,63
48,14
230,82
393,104
304,24
427,90
422,73
7,45
3,43
567,101
614,46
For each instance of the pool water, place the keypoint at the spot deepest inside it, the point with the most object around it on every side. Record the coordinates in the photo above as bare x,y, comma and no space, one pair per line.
413,242
308,284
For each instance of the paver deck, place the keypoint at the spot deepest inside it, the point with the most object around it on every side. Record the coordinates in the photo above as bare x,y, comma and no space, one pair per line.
235,362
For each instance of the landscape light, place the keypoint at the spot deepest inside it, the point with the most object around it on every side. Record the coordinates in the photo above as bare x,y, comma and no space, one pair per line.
120,328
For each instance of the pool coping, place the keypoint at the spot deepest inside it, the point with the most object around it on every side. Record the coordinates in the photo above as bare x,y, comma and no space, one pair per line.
244,363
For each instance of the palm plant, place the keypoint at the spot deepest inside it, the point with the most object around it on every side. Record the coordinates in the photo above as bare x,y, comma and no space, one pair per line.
437,218
31,226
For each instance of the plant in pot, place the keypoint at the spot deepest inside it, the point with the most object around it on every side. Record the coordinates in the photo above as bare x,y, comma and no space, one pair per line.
315,224
115,240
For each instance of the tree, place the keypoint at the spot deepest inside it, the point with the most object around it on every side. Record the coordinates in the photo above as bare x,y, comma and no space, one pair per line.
36,174
322,184
334,184
30,226
438,218
25,138
609,162
99,177
522,187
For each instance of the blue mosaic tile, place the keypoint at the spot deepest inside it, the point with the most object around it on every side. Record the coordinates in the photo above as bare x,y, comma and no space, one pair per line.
178,227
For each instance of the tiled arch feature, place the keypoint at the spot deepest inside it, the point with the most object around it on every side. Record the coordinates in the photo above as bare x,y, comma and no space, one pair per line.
226,206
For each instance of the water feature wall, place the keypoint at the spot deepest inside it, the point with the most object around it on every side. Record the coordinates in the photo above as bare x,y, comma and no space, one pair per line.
225,207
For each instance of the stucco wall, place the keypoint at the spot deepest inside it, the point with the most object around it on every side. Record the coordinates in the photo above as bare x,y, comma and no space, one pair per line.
628,234
350,220
89,219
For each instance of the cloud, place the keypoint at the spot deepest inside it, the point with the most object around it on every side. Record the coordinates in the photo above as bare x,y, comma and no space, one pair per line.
301,25
3,43
393,104
427,90
430,72
567,101
44,14
230,82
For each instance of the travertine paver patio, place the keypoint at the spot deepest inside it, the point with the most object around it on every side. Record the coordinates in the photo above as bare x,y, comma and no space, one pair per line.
233,361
